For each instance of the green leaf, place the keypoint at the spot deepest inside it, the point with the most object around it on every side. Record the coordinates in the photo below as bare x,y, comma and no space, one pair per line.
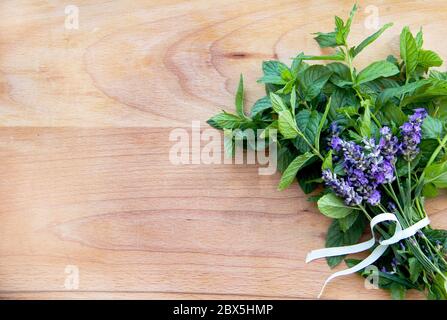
273,67
338,56
336,237
287,125
326,40
307,122
333,207
298,65
341,75
365,124
321,124
431,128
415,269
408,51
293,100
285,157
307,178
433,89
240,98
260,106
327,163
348,221
437,174
370,39
435,74
428,59
397,291
389,93
342,30
429,190
394,114
272,79
312,80
275,72
293,168
278,104
225,120
419,39
376,70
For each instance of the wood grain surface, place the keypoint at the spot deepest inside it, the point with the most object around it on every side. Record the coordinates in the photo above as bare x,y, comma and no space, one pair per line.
85,176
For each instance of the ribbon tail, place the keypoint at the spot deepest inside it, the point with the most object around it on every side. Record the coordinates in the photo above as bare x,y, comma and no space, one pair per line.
376,254
339,251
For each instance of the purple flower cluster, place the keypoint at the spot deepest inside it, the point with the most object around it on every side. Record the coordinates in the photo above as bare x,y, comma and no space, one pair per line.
366,167
372,164
411,134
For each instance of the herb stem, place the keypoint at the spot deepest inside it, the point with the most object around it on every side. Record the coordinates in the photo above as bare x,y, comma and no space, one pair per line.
432,159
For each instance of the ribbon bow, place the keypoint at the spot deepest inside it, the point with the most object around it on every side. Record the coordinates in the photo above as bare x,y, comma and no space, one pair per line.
398,235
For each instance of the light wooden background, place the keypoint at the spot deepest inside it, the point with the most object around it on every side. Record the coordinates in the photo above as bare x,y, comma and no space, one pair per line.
85,177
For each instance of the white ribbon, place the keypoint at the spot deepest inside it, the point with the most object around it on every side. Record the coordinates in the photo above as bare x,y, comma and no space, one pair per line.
398,235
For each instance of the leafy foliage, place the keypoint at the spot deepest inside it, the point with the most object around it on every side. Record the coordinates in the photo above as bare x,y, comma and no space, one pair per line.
306,102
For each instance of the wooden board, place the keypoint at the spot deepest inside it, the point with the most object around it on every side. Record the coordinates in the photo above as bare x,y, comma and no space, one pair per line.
86,180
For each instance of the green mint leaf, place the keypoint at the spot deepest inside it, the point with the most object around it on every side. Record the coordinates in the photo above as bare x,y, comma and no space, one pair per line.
321,124
337,56
293,100
408,51
336,237
278,104
429,190
389,93
342,30
432,128
437,174
428,59
397,291
365,122
285,157
370,39
333,207
394,114
239,101
312,80
287,125
435,74
260,106
307,122
419,39
272,79
376,70
433,89
326,40
293,168
298,65
341,76
275,72
225,120
348,221
327,163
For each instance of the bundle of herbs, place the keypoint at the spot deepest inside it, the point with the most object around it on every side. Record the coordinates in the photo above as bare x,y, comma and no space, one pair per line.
374,139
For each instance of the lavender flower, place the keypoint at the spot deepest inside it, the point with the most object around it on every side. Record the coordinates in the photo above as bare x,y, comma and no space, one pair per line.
411,134
392,207
402,246
394,263
367,167
342,188
389,144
